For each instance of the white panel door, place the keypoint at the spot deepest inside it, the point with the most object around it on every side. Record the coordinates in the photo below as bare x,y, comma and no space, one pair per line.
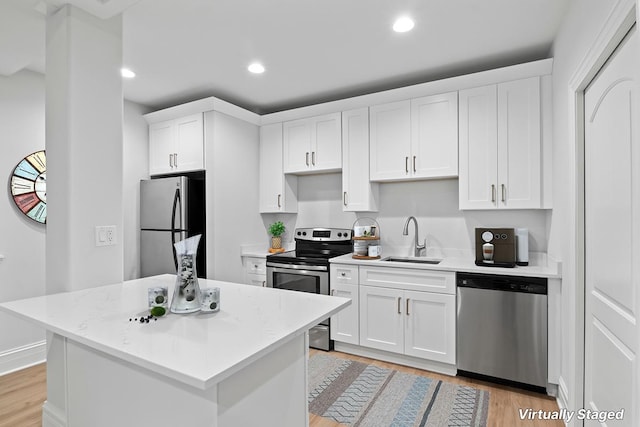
345,326
390,142
358,193
297,146
161,147
612,235
189,153
434,136
519,144
478,163
381,318
326,146
430,326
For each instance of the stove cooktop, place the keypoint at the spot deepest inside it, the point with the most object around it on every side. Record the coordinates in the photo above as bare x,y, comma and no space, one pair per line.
315,246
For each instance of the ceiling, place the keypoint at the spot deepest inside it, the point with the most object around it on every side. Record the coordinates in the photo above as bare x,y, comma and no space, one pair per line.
313,50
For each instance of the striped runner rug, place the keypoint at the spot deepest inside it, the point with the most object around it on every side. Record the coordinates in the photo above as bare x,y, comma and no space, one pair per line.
358,394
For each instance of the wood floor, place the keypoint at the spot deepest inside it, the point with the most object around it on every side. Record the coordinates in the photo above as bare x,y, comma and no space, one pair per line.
22,394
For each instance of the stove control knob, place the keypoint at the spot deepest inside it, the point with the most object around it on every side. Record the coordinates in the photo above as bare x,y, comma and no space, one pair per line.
339,234
299,233
304,233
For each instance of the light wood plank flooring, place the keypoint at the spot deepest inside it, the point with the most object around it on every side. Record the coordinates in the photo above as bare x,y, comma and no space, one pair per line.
22,394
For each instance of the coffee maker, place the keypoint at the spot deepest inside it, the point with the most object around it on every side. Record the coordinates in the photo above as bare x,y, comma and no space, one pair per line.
495,247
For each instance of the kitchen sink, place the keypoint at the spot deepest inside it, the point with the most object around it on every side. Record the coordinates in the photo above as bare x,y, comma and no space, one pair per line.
412,260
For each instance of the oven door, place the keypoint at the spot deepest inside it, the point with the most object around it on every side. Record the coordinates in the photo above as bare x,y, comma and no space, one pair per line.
301,278
304,278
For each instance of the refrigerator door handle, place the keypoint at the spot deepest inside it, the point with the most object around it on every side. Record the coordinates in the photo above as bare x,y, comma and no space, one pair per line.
176,202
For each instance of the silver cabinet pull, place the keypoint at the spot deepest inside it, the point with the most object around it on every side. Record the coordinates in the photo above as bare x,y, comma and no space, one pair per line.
414,164
344,198
306,160
264,283
407,308
175,159
343,274
399,312
504,195
333,292
170,160
313,158
279,197
493,193
406,165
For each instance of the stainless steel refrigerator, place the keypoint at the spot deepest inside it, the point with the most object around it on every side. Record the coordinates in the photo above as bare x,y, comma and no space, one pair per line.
171,209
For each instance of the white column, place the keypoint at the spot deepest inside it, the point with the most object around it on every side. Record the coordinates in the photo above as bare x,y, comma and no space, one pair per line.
84,148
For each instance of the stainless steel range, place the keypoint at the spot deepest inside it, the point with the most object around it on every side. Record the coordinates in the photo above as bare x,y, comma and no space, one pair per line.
306,269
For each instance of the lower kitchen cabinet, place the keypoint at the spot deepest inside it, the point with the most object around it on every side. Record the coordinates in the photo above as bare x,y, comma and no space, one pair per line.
345,324
255,271
419,324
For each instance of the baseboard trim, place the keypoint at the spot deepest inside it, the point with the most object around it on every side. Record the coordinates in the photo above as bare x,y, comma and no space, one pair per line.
23,357
399,359
52,416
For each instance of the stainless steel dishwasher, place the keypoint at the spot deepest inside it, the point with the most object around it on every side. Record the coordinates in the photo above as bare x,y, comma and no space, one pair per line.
502,328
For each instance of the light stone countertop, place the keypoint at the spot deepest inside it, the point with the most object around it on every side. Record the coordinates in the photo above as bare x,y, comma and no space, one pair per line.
197,349
540,265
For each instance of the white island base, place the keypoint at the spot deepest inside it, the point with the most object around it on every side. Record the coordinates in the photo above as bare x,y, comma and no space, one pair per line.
86,387
245,365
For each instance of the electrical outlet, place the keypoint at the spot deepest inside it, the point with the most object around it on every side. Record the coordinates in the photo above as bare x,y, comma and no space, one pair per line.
105,235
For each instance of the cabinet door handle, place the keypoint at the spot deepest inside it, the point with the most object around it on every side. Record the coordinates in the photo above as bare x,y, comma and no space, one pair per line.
343,274
399,312
414,164
279,196
175,159
306,160
313,158
504,194
493,193
406,165
333,292
170,160
407,307
344,198
264,283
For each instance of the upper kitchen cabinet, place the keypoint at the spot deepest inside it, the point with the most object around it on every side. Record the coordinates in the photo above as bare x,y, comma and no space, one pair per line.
313,145
277,190
501,145
176,145
358,193
415,139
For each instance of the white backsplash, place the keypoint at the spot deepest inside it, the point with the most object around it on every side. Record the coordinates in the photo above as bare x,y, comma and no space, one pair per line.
449,231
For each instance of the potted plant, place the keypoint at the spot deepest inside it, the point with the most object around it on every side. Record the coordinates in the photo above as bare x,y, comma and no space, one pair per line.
276,230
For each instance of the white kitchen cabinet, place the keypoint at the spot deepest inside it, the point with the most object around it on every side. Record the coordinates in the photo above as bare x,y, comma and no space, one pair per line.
500,146
345,324
278,192
255,271
415,139
358,193
408,311
176,145
434,136
313,145
390,140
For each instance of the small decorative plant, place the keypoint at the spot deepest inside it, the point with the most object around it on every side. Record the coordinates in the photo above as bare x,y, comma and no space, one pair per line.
276,230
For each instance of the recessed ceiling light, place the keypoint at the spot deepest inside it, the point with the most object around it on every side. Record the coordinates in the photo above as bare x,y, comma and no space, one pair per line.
127,73
256,68
403,24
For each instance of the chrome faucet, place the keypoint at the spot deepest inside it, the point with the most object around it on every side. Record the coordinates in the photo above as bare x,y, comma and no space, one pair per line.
417,247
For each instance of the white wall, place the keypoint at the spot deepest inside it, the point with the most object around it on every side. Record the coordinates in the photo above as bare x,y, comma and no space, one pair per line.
449,231
135,159
583,22
22,241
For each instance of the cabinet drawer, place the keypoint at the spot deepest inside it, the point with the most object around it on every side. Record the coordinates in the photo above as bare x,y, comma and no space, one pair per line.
254,265
443,282
256,279
344,274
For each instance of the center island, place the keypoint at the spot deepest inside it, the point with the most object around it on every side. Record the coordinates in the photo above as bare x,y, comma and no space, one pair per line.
245,365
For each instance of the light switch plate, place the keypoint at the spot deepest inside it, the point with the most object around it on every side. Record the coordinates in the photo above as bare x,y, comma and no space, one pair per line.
105,235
